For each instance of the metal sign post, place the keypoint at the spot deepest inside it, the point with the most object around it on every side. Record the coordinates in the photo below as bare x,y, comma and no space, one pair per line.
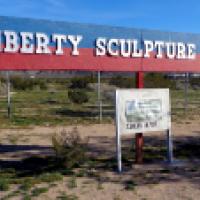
186,85
99,96
118,137
139,139
8,95
169,146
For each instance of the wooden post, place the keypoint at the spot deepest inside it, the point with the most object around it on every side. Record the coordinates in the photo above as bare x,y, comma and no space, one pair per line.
139,139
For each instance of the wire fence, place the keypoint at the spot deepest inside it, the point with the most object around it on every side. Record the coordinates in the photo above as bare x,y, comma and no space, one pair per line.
46,101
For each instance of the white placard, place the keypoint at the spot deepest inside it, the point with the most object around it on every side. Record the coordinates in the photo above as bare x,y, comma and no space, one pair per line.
142,110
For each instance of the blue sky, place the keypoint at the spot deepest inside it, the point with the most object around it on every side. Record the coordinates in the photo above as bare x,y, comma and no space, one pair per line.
171,15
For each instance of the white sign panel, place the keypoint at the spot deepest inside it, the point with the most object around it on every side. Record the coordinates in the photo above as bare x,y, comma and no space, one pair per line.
142,110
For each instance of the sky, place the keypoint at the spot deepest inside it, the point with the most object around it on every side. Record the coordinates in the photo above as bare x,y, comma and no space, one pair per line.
168,15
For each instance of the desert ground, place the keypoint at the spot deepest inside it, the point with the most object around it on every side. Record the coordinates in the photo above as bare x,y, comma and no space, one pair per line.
34,166
155,179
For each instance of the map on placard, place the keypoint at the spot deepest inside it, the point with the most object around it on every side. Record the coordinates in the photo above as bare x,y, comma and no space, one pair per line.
143,110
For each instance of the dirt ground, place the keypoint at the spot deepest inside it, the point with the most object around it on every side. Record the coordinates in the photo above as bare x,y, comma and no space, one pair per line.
152,180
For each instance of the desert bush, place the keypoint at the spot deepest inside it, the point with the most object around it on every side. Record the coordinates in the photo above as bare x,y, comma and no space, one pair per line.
130,185
122,82
70,148
195,83
2,79
151,80
4,184
72,183
64,196
156,80
42,83
78,96
50,177
60,80
37,191
20,83
79,82
27,184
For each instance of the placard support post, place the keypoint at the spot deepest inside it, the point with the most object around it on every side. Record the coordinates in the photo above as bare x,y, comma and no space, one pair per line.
169,146
118,137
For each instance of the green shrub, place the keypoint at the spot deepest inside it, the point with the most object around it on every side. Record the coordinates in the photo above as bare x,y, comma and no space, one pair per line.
37,191
72,183
50,177
70,149
130,185
156,80
4,184
195,83
151,80
20,83
79,83
78,96
64,196
27,197
122,82
2,79
41,83
27,184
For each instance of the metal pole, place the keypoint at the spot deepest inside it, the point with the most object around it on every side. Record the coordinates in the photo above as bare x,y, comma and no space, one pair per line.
8,95
118,138
99,96
186,92
169,146
139,139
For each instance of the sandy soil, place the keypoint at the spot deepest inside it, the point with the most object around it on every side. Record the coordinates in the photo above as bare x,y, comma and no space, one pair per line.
152,180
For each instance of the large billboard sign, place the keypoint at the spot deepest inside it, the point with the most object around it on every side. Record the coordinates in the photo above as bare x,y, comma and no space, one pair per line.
27,44
143,110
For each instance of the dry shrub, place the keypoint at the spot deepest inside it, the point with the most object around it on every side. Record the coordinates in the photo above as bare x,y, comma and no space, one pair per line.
70,148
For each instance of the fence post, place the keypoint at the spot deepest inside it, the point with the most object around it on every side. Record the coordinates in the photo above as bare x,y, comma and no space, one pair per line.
186,82
8,95
99,96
